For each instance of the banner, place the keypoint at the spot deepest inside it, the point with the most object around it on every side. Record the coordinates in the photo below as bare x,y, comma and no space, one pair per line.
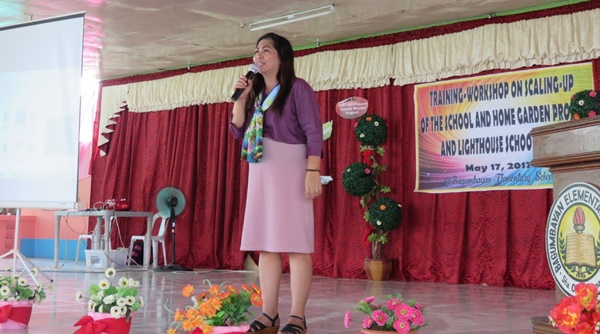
473,134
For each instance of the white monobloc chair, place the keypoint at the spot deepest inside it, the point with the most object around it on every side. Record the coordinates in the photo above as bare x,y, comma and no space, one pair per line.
162,219
92,237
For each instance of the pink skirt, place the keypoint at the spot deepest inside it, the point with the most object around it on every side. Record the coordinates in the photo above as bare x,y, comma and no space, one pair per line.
278,216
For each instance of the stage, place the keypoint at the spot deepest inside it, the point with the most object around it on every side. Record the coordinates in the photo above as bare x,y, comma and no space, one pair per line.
450,308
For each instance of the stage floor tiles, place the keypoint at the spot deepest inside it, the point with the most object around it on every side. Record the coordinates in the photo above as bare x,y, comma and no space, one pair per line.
451,309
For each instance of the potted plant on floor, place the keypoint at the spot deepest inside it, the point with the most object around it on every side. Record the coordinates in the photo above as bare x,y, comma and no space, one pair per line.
221,309
395,315
110,307
17,297
382,214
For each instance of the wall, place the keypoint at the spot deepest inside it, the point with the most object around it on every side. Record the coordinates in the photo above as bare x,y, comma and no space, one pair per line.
40,241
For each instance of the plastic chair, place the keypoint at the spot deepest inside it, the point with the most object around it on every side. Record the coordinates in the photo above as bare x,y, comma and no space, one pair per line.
156,239
91,237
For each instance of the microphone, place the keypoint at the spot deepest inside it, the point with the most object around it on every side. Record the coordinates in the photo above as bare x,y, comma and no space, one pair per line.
253,69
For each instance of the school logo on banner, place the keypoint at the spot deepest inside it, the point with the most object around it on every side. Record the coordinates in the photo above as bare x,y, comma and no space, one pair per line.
573,237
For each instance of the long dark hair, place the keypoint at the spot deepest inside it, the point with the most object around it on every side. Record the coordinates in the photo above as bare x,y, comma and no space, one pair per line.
285,75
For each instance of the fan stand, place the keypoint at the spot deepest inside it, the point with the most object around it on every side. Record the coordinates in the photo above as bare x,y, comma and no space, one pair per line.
172,203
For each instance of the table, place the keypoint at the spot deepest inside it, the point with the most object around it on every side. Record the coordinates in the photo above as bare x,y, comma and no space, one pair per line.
104,216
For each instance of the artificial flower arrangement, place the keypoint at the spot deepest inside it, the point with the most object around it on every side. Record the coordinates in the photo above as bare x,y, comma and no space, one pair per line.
17,297
16,288
395,315
118,301
585,103
382,214
219,305
579,313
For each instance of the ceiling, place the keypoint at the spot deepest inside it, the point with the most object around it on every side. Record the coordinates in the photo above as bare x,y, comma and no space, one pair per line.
126,37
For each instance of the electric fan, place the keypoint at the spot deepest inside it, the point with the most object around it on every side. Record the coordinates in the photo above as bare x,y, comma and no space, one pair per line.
170,202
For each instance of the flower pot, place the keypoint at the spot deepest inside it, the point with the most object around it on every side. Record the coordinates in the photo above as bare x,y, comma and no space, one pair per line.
105,321
225,330
15,315
372,331
378,269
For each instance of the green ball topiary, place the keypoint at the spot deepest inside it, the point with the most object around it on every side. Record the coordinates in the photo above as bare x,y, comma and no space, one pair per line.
385,214
370,130
585,103
358,179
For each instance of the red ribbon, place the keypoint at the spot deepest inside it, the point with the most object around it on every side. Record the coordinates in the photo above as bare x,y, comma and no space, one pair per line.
367,157
17,314
108,326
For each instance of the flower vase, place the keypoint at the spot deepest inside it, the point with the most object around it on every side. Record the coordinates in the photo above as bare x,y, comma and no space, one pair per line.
378,269
105,321
15,315
225,330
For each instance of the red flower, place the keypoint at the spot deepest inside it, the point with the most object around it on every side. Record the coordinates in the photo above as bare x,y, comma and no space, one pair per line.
567,314
587,295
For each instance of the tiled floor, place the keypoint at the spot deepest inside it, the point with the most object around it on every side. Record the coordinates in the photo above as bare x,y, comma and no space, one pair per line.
451,309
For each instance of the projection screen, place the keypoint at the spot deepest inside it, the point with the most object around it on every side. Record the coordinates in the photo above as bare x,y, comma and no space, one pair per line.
40,80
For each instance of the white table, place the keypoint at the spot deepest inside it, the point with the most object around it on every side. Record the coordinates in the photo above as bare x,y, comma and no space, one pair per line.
102,217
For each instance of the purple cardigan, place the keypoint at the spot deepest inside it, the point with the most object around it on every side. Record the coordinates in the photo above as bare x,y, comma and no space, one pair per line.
299,123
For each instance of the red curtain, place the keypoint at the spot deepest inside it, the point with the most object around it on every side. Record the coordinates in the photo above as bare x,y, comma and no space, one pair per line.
493,237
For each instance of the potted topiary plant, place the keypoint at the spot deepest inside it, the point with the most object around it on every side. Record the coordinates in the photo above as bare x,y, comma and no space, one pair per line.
382,214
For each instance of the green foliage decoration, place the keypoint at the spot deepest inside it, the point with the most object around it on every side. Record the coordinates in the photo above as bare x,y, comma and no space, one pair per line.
585,103
358,179
371,130
385,214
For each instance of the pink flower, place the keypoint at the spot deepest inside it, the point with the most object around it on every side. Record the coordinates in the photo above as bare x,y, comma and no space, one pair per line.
367,323
367,171
379,317
419,306
356,124
368,300
402,311
592,113
402,326
416,317
347,319
593,93
392,303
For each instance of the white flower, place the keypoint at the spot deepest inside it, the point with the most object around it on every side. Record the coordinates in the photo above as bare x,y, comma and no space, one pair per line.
104,284
37,298
110,272
5,291
130,300
35,271
121,301
133,283
123,282
581,102
109,299
91,305
22,281
78,296
378,223
123,310
141,302
5,283
115,311
376,123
